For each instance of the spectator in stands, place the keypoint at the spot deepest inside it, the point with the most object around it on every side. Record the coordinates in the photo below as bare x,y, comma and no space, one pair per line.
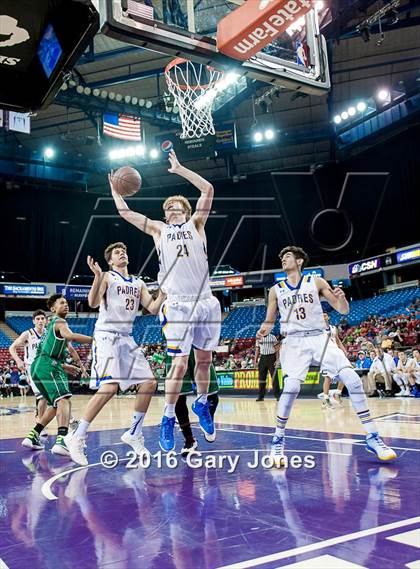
397,338
14,380
231,363
362,361
343,324
381,371
3,386
363,364
386,342
23,384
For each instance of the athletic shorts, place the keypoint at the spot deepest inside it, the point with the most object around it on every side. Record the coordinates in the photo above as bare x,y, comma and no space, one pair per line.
31,383
116,358
298,353
194,324
189,385
50,379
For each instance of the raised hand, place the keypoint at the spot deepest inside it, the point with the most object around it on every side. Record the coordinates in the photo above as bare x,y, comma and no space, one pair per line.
94,266
339,293
111,182
173,160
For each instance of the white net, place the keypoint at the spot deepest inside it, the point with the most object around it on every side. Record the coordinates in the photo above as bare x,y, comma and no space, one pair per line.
194,88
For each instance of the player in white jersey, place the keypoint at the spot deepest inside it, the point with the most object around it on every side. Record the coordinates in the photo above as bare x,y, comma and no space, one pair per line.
334,337
117,360
190,315
29,341
307,342
402,374
413,369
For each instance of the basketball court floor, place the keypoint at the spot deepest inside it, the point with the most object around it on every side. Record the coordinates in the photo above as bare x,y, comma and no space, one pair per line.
335,506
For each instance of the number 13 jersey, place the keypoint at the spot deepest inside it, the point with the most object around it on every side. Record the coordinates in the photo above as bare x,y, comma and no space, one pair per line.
300,308
120,304
184,268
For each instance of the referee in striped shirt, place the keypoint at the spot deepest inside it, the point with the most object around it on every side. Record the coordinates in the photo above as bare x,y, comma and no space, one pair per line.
266,355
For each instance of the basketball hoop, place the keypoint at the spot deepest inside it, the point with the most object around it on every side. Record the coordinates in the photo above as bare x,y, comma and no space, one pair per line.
194,88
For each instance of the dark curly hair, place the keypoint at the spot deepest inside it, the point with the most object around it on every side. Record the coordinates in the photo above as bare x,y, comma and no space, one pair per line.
297,252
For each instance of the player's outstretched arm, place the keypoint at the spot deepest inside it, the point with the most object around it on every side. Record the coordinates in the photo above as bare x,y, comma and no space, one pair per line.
341,345
205,201
65,332
19,343
151,304
149,226
270,317
99,285
335,297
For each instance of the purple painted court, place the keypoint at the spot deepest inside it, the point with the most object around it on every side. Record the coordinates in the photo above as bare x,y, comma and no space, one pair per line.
348,511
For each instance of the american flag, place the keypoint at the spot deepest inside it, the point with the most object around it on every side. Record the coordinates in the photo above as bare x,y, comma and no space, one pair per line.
122,126
134,8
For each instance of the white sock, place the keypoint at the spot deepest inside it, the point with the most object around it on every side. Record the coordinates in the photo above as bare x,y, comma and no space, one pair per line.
136,425
202,398
285,404
358,399
82,429
169,410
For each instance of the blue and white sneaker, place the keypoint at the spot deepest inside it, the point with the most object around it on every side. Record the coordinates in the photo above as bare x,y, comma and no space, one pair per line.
277,451
202,410
376,445
166,438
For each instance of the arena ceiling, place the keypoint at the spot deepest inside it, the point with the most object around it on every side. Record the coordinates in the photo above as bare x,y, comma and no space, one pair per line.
358,68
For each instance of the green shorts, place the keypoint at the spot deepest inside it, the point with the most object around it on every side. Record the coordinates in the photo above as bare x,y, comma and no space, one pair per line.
50,379
188,383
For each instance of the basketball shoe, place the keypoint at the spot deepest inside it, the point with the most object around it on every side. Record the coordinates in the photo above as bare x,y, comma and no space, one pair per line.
136,442
166,438
60,447
76,447
277,451
33,441
376,445
202,410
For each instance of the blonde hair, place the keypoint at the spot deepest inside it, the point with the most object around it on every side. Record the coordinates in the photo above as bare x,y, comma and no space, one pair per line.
111,247
186,204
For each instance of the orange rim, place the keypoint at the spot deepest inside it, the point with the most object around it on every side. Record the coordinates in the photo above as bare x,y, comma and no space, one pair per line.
180,61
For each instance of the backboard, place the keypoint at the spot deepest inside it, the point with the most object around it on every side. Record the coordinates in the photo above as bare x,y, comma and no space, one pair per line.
187,28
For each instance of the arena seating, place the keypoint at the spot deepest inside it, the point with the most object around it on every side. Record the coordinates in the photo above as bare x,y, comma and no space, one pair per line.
4,340
242,322
386,305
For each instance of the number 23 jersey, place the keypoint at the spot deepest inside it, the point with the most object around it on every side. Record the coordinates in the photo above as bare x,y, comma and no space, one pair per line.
120,304
300,308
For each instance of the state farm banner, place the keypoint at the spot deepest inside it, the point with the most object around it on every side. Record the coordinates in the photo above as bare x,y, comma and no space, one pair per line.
255,24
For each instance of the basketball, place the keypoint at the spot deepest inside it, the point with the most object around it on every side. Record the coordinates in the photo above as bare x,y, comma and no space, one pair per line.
126,181
166,146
